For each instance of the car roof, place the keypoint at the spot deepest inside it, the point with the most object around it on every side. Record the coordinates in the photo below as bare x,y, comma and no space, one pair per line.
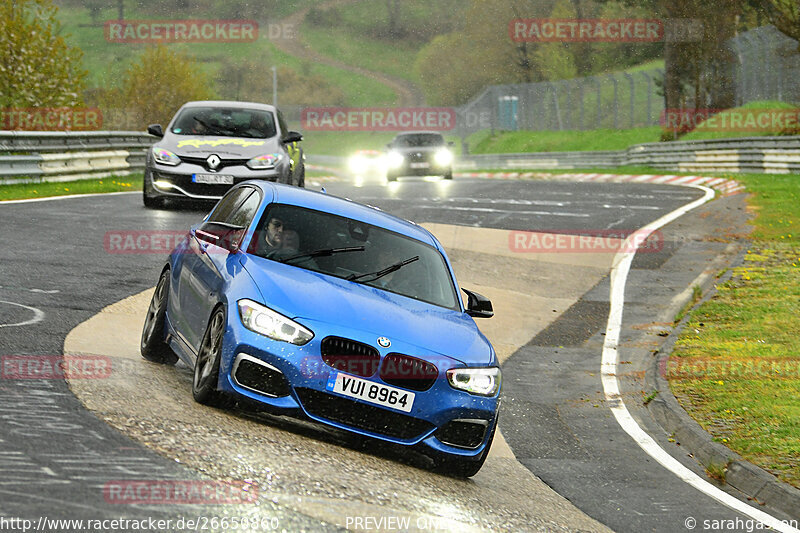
287,194
229,103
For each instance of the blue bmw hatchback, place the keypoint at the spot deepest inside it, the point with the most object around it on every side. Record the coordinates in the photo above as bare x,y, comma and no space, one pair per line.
317,306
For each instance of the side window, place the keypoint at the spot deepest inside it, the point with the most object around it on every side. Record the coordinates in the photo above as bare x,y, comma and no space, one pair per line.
246,211
220,228
227,204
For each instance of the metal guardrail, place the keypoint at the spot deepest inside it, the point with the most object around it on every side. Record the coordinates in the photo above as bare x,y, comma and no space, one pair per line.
777,155
67,141
55,156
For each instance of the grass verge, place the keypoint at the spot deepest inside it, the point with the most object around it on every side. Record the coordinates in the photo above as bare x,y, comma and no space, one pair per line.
736,366
24,191
483,142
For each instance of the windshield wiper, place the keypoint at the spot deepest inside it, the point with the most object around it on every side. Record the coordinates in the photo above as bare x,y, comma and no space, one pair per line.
323,252
383,272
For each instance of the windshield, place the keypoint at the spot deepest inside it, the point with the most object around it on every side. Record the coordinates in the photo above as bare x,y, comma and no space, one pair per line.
225,122
419,139
354,250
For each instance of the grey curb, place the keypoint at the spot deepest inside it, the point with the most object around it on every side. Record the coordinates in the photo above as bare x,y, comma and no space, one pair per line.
756,483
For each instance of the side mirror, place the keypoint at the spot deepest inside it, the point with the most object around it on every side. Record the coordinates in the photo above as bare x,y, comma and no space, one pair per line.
155,129
478,306
220,234
293,137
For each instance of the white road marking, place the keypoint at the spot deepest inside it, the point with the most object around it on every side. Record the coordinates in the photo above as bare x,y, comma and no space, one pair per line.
42,291
66,197
513,211
38,315
641,207
619,274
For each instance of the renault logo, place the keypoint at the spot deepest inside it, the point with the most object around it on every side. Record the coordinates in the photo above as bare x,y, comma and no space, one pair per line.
383,342
213,161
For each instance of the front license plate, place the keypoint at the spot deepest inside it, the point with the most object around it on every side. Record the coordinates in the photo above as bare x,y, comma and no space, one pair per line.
420,165
212,179
371,392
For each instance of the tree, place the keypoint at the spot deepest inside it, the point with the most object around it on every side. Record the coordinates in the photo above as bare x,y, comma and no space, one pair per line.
393,8
249,80
554,60
154,88
784,15
37,67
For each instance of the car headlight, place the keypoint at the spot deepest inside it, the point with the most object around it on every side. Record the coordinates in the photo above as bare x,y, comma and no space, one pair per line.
394,159
165,157
358,163
480,381
269,323
266,161
443,157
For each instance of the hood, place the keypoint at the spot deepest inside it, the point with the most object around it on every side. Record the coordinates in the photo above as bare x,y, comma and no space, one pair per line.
225,147
319,298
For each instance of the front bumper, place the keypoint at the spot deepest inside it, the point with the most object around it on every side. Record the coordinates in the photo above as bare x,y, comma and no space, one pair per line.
438,419
176,182
420,168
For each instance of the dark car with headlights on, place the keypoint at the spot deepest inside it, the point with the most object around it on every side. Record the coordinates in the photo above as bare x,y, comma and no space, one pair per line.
419,153
209,146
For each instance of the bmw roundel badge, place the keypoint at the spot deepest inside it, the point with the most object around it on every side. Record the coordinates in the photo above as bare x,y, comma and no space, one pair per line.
383,342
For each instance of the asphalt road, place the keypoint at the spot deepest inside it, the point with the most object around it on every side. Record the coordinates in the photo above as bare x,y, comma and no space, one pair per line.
55,454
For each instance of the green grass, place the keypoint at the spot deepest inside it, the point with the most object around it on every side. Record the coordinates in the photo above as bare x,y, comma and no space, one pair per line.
649,65
358,90
106,62
740,351
343,45
560,141
45,190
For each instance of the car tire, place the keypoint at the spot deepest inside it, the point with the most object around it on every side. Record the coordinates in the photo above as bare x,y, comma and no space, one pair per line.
153,203
206,366
150,201
463,468
152,345
391,177
449,175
